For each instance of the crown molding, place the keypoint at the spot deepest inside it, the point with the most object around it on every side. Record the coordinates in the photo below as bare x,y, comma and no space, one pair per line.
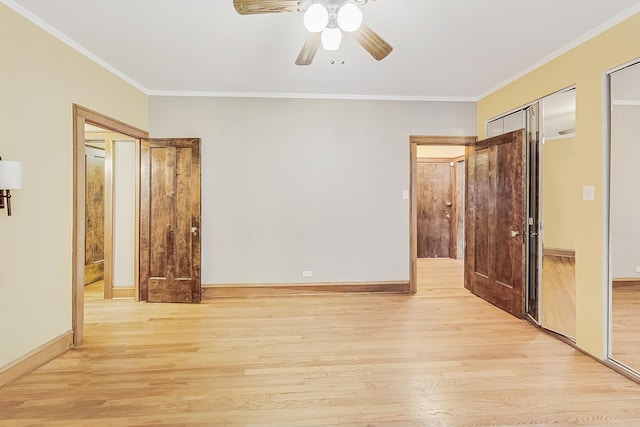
625,102
66,40
279,95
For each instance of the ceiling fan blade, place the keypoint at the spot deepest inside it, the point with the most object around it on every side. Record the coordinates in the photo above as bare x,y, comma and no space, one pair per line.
309,49
372,42
251,7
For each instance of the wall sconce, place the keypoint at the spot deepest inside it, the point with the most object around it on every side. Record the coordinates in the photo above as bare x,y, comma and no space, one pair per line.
10,179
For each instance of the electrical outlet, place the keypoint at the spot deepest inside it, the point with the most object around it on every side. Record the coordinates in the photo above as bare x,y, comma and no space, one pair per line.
637,269
307,273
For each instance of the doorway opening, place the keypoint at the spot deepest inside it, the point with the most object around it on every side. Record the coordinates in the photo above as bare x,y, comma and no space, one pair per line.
437,194
110,208
81,118
440,201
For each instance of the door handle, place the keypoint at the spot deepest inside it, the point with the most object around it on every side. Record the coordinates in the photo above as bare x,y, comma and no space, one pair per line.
514,233
194,230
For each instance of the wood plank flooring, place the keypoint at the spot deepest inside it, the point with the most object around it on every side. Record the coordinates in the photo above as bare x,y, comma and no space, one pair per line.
559,295
442,357
626,325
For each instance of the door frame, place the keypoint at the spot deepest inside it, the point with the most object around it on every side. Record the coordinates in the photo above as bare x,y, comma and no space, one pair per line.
414,141
82,115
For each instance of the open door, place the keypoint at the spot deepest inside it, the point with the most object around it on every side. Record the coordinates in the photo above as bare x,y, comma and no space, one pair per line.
496,252
170,220
94,214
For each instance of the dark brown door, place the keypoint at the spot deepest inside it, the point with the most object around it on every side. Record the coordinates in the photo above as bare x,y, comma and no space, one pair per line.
170,220
436,200
495,257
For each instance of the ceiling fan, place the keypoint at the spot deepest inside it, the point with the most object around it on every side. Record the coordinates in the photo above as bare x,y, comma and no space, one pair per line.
325,20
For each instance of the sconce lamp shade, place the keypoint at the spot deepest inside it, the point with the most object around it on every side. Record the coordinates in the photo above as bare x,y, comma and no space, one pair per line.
10,175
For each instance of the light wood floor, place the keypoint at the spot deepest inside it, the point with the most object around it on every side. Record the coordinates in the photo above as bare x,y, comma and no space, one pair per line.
440,358
626,325
559,295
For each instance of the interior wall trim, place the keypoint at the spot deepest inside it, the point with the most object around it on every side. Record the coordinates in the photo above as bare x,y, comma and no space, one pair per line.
442,140
567,253
122,292
278,289
436,159
36,358
625,281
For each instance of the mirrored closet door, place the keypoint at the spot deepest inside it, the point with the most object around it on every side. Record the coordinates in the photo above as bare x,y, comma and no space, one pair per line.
624,216
557,210
551,143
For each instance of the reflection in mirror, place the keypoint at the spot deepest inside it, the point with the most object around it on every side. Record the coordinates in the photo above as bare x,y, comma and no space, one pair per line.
624,211
551,296
557,214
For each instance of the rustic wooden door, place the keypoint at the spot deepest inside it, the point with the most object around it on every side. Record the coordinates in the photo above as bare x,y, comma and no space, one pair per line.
170,220
436,205
94,214
496,204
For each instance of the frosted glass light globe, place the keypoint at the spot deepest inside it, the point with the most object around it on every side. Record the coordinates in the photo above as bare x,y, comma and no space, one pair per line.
331,38
316,18
349,17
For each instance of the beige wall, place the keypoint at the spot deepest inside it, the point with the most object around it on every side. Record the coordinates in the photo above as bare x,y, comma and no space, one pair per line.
40,79
584,67
124,205
440,151
558,193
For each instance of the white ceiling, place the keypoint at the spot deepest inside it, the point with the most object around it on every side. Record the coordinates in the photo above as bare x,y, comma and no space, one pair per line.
443,49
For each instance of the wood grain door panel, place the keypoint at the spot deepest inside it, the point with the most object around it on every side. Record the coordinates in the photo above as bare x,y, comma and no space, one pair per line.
436,186
495,262
94,214
170,220
482,214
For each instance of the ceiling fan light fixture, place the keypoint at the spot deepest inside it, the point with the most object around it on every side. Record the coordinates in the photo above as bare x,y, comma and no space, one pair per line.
349,17
316,18
331,38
